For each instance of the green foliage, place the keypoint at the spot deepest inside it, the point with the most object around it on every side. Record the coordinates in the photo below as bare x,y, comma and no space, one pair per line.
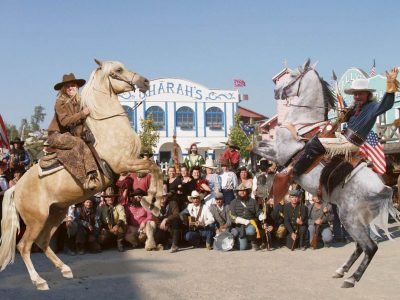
12,132
237,136
149,136
37,118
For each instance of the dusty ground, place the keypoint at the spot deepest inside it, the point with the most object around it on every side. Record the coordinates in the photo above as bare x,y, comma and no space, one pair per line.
203,274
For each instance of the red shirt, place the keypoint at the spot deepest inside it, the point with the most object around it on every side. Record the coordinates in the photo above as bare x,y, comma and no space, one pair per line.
141,183
232,156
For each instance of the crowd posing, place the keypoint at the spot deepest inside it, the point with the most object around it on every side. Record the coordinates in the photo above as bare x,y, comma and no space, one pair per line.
225,210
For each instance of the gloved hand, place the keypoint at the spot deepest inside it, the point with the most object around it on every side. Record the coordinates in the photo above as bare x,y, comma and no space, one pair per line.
240,220
392,85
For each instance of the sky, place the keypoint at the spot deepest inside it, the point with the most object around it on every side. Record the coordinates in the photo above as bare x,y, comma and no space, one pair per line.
210,42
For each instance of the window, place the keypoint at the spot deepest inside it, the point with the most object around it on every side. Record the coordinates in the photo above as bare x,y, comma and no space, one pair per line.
214,118
129,113
185,117
158,116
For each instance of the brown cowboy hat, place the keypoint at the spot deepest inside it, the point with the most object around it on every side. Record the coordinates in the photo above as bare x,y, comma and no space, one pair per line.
69,78
232,145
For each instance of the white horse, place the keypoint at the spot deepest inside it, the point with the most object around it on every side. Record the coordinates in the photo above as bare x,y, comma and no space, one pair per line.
42,203
363,201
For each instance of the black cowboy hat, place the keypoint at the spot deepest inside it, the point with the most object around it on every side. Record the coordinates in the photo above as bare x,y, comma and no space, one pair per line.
17,140
145,153
69,78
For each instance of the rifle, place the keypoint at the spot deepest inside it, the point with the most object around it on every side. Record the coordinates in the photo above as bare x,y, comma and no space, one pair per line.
314,241
264,222
297,227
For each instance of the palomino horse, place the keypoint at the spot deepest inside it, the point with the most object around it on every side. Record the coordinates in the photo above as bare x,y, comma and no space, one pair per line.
363,200
42,203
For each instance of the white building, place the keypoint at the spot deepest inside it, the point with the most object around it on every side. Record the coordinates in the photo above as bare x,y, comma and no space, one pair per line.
194,113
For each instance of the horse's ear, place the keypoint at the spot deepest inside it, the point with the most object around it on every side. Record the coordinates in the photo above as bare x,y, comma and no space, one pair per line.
306,64
99,62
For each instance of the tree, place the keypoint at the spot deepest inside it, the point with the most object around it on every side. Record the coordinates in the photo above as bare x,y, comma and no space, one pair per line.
37,118
237,136
149,135
12,132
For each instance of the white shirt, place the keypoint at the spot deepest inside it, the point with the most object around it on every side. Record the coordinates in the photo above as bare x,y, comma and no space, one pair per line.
229,180
205,218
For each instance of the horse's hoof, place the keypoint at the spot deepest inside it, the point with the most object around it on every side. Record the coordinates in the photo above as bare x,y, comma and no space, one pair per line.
42,286
347,284
337,275
66,272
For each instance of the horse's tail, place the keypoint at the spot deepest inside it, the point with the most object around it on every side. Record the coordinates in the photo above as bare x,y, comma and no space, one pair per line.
9,229
386,208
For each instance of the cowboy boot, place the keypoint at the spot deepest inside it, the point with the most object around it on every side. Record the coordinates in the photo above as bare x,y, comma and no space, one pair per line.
312,150
175,240
120,245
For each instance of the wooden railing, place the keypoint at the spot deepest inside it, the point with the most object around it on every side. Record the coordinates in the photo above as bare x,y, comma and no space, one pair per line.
388,133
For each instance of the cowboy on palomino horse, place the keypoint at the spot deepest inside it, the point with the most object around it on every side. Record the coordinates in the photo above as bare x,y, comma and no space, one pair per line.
360,119
65,132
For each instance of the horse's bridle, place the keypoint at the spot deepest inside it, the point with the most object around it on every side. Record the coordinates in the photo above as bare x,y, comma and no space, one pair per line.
130,82
294,81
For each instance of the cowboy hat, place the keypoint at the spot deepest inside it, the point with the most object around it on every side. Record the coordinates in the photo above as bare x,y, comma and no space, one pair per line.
145,153
209,164
242,187
231,144
17,140
358,85
69,78
296,193
138,192
195,194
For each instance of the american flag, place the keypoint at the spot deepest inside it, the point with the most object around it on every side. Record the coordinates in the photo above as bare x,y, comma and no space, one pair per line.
4,143
373,71
239,83
373,151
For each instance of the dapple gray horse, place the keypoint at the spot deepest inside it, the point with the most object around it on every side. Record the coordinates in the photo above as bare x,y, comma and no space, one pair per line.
363,201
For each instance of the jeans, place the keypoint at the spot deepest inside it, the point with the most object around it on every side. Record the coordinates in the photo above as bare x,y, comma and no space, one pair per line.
250,233
194,236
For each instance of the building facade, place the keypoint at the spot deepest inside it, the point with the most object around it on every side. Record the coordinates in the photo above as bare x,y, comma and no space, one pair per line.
188,110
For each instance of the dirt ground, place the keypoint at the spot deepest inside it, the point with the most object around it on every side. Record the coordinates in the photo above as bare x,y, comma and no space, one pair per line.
204,274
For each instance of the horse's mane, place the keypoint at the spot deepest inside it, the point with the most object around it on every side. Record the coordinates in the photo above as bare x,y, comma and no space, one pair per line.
330,100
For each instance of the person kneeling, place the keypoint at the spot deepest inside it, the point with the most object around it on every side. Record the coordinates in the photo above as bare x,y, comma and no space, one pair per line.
244,211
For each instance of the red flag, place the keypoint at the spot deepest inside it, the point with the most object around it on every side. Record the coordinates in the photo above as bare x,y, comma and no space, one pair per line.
239,83
4,143
373,151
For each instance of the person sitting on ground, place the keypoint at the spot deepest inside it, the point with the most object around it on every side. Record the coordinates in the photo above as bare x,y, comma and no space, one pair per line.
112,223
244,213
139,225
167,224
296,221
199,220
66,129
319,217
220,213
193,159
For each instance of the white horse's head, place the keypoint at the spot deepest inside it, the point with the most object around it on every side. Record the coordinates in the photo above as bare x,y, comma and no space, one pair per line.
308,96
120,78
